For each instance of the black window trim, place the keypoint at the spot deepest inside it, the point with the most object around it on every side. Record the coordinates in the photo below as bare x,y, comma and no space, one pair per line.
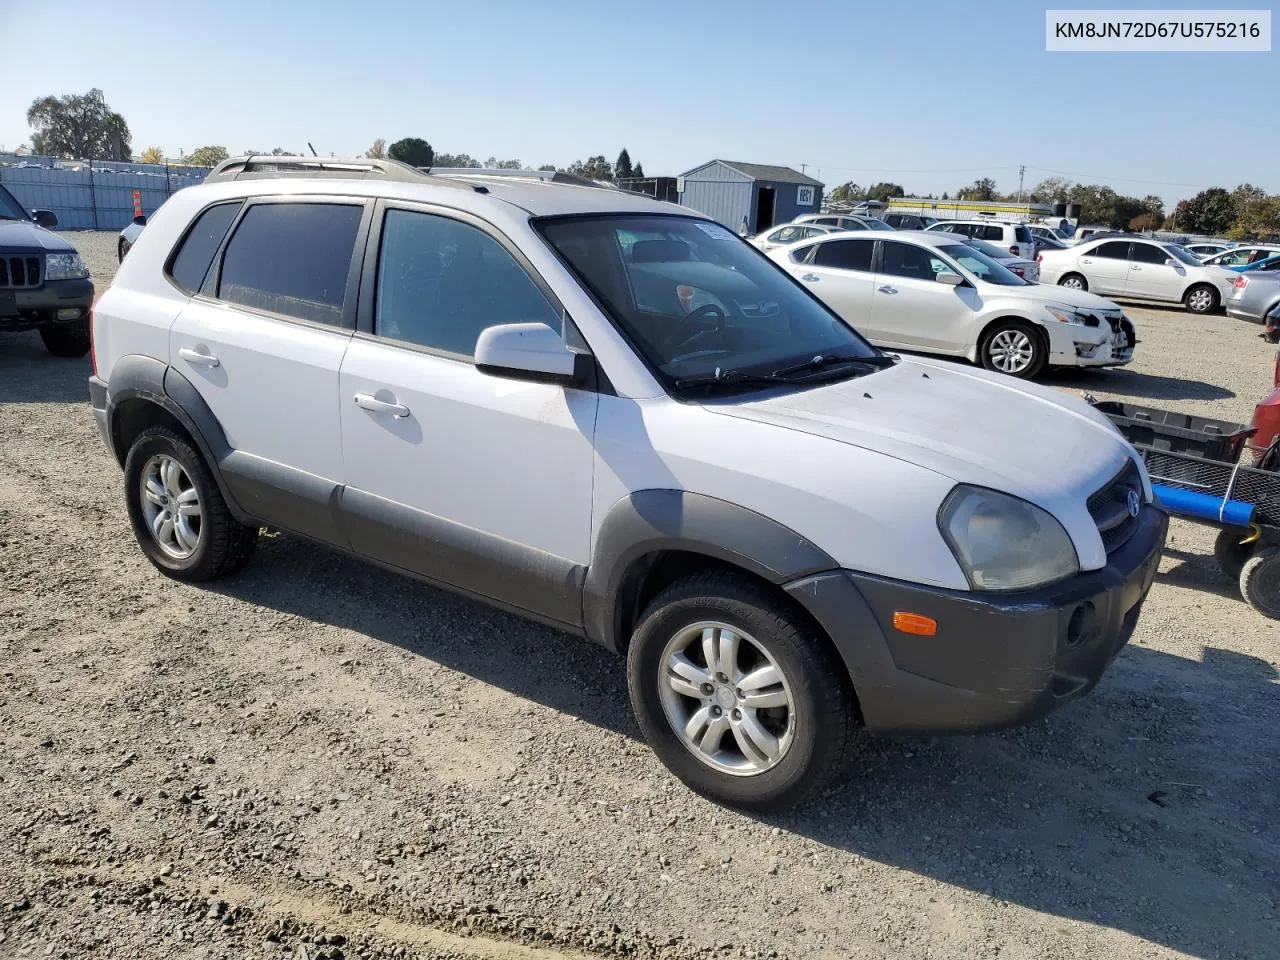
213,278
182,242
874,241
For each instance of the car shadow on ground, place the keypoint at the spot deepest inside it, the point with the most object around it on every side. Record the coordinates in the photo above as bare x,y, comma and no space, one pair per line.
1130,383
1199,571
1145,806
30,374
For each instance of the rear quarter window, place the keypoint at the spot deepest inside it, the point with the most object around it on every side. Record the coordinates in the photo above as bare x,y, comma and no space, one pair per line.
1022,234
196,250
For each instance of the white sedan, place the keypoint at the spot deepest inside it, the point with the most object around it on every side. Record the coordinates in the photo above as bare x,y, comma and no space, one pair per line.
790,233
934,293
1139,269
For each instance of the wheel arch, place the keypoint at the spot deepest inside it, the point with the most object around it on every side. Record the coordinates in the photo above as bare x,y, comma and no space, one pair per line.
987,326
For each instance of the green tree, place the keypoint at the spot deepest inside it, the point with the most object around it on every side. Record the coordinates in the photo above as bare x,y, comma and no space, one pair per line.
638,171
495,164
414,151
1209,211
847,193
593,168
455,160
78,127
622,166
1257,219
206,156
1050,190
885,191
550,167
984,189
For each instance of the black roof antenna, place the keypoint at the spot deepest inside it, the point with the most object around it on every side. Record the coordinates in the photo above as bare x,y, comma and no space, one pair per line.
312,149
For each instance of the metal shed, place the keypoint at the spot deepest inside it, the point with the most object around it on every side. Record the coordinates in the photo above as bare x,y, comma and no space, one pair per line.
759,194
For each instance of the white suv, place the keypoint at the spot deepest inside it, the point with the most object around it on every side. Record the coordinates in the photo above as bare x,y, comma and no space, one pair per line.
614,416
1014,237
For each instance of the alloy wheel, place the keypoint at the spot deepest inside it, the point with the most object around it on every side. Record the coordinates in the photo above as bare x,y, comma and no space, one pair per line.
1011,351
726,699
171,506
1072,283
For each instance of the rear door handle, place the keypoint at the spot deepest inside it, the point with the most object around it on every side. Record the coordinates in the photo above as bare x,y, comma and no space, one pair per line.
198,359
1135,267
887,289
374,405
810,277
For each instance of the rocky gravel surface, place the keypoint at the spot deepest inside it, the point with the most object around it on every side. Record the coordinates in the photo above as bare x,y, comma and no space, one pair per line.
319,759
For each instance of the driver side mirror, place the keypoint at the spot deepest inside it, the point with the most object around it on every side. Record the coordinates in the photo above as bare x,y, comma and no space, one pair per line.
527,351
140,219
949,277
46,218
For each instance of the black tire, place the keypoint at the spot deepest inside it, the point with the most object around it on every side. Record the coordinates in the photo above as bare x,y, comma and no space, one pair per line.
121,249
1026,333
820,723
1230,552
1084,284
1195,302
1260,582
224,544
66,339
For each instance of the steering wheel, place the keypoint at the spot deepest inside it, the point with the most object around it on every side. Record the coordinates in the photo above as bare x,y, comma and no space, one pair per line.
707,318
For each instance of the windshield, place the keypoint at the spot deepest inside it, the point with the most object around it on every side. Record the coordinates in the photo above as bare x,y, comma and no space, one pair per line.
1182,254
695,299
981,265
992,251
11,209
874,224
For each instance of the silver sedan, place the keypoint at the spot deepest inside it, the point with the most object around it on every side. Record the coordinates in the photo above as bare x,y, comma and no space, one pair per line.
1253,296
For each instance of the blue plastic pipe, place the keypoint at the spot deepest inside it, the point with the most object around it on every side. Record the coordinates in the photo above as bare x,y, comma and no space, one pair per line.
1204,506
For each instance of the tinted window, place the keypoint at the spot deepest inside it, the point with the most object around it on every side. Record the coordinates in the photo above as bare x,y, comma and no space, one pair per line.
292,259
788,234
846,254
1146,253
1113,250
905,260
829,221
1022,234
990,232
441,282
11,209
198,249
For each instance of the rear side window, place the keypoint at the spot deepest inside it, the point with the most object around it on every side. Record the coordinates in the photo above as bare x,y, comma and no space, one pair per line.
1022,234
990,232
292,259
845,254
191,262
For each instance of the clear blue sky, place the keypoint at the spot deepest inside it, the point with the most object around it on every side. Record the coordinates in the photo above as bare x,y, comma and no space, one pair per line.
930,95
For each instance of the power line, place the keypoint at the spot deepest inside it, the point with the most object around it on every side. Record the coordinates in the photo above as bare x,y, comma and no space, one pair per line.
1099,176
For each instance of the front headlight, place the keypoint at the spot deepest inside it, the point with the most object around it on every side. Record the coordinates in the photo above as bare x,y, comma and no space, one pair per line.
1003,542
1064,314
65,266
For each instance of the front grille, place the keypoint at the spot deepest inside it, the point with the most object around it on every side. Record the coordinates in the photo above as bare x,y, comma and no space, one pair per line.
1109,508
19,272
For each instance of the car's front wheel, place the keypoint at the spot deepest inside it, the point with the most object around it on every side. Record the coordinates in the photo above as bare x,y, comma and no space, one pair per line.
67,339
736,694
1013,347
1201,299
177,511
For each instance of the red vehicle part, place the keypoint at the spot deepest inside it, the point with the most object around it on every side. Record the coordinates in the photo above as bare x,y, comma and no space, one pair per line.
1266,415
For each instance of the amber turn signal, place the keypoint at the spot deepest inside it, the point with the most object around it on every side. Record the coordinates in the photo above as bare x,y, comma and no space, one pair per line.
916,623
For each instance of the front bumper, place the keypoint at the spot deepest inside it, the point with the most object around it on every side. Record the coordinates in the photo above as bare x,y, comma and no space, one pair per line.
1109,344
997,660
98,402
24,308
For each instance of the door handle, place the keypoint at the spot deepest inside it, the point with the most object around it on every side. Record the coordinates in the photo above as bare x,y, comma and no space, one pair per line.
1135,267
374,405
810,277
887,289
1085,260
198,359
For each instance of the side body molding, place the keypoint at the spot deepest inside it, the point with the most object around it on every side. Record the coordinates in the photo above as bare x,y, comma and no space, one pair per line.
649,521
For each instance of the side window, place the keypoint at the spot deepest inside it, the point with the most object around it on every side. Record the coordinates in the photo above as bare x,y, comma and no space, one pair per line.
991,231
1146,253
191,262
787,234
845,254
906,260
1112,250
442,282
1022,235
292,259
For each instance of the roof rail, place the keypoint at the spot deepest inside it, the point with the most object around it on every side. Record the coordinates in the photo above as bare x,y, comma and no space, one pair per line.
358,168
550,176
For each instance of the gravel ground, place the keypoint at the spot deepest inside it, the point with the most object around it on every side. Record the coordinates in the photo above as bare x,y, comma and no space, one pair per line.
318,759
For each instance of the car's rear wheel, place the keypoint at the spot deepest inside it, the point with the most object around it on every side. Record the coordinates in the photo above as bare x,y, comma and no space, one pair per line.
177,511
66,339
1074,281
736,694
1201,298
1013,347
1260,582
1230,552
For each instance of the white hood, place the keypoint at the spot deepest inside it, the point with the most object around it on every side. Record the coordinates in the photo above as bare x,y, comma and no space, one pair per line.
1048,293
970,426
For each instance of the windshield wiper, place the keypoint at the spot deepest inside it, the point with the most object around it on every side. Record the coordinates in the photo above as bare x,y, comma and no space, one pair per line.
733,378
876,361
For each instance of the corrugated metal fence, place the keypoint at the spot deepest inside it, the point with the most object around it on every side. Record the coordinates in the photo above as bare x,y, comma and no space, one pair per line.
93,196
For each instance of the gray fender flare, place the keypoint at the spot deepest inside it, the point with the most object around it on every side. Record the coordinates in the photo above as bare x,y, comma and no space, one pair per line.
145,378
649,521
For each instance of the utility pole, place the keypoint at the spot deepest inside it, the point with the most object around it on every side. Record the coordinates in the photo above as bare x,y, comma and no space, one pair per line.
802,166
1021,170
